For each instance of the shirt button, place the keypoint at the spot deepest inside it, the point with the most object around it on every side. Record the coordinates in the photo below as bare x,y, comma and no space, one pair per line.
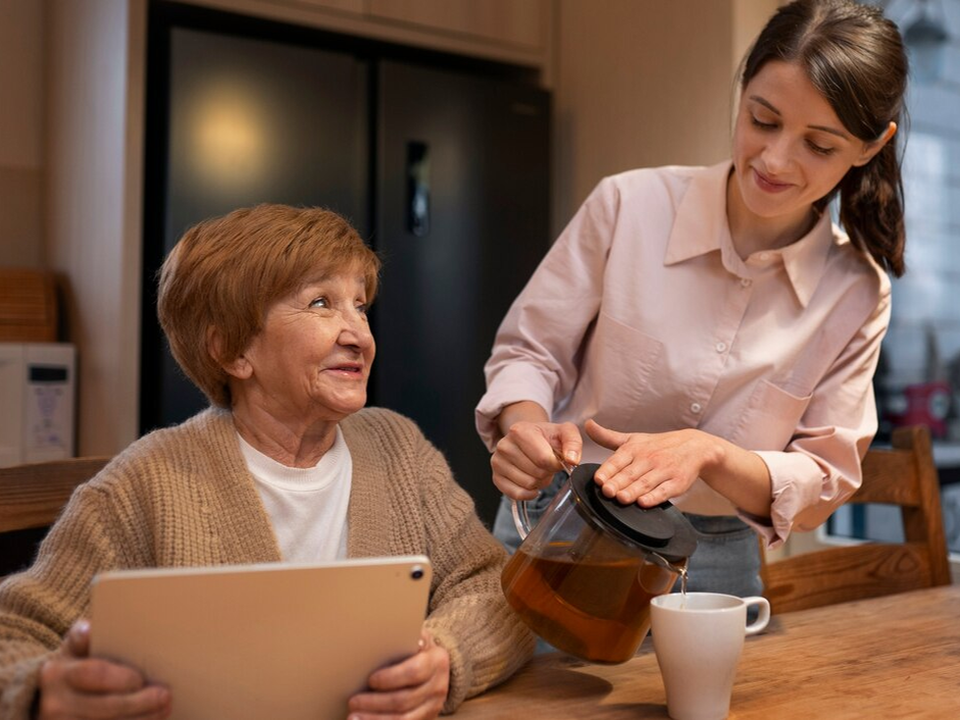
695,407
745,282
721,346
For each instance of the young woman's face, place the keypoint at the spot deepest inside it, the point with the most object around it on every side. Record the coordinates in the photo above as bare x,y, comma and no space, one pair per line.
313,356
789,147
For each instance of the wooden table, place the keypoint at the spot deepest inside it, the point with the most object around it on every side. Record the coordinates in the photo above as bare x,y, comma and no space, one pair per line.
893,657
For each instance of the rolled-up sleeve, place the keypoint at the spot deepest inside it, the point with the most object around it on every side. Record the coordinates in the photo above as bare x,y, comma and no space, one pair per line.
820,468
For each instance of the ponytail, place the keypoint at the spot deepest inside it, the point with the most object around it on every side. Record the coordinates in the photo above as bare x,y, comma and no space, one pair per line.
871,209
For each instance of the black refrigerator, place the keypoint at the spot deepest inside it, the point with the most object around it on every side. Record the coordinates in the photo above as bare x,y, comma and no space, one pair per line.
441,164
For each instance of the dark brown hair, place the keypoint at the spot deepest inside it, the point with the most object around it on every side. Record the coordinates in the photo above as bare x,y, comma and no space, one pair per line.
225,272
855,58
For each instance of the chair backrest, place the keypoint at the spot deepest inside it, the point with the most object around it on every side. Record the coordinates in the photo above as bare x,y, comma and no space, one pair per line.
32,495
904,475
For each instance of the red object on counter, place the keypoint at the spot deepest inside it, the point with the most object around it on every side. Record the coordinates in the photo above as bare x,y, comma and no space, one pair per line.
925,404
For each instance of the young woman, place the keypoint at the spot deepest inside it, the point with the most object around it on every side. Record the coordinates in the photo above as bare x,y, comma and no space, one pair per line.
711,331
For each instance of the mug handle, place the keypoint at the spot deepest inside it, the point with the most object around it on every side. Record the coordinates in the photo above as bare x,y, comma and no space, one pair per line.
763,618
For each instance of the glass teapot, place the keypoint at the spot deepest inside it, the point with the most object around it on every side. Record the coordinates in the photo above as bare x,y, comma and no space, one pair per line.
583,577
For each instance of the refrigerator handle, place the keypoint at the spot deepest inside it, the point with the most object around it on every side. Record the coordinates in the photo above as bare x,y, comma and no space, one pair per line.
418,188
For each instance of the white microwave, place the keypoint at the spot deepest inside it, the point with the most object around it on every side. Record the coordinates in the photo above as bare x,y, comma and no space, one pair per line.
37,397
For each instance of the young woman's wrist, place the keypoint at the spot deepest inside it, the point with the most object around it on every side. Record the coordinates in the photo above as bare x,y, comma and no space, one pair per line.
521,411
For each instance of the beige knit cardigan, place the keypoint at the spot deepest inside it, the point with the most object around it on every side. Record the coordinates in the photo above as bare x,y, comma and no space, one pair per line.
182,496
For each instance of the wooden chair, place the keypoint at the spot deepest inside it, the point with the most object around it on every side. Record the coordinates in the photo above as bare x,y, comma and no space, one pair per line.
905,476
32,496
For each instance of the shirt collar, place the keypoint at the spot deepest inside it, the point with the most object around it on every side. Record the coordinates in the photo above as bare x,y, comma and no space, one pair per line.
805,259
701,219
701,227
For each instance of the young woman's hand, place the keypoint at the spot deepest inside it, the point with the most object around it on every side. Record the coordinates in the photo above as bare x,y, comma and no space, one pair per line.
528,456
649,468
413,689
74,685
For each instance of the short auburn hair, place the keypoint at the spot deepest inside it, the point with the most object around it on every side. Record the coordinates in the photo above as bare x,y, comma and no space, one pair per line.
225,272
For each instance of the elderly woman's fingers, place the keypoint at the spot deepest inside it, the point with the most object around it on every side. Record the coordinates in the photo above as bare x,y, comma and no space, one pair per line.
145,704
73,687
76,643
414,689
95,676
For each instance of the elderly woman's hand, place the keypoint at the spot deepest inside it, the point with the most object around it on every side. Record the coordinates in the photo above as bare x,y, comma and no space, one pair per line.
74,685
414,689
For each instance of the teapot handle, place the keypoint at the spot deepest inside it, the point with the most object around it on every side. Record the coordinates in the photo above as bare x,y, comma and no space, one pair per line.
521,518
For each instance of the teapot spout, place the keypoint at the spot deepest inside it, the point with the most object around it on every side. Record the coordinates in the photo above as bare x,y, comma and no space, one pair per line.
657,575
675,566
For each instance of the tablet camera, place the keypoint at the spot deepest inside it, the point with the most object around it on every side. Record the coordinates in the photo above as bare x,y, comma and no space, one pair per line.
416,572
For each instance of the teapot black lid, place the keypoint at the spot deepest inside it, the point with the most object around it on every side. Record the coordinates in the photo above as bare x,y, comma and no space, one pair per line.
663,528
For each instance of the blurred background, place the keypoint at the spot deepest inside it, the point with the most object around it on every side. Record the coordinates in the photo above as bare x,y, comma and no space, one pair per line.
919,376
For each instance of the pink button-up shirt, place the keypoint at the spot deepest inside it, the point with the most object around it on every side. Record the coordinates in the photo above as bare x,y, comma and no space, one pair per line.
644,317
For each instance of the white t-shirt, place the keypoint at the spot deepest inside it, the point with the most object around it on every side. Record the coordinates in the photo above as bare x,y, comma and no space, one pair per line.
307,506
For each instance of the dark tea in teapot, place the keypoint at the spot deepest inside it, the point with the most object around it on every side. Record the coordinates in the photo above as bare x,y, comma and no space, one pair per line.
595,608
583,577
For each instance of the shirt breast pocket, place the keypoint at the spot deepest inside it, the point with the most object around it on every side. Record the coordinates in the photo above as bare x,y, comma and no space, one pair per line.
619,365
771,418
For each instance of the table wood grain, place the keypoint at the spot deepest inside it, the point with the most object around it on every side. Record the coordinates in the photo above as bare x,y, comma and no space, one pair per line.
892,657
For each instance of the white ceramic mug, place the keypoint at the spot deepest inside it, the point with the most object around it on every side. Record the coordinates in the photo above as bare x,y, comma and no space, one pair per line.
698,639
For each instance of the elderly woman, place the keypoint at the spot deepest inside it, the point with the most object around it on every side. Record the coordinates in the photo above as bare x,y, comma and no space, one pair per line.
265,310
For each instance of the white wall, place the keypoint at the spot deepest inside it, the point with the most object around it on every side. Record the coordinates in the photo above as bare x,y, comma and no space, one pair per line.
637,83
93,199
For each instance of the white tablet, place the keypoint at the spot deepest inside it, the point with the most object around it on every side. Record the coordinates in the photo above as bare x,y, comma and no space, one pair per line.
262,642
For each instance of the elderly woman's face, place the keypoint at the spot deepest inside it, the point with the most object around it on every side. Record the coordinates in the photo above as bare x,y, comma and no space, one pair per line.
313,356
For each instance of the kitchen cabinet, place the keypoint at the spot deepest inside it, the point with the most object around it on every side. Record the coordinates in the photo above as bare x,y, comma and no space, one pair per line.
503,22
511,31
352,6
